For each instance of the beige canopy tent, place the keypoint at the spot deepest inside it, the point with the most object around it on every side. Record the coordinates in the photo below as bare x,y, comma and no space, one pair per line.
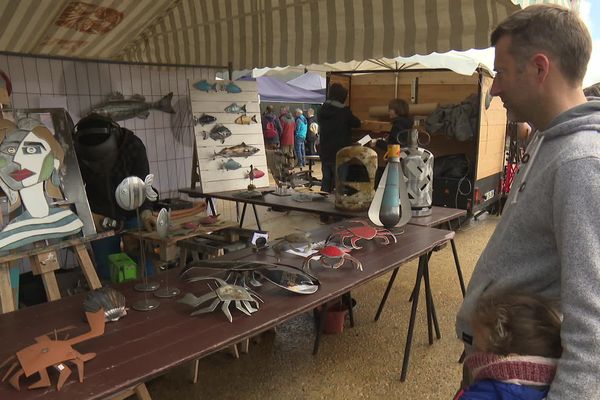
249,33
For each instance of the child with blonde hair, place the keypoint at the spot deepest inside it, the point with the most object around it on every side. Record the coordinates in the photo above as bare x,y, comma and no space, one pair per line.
516,338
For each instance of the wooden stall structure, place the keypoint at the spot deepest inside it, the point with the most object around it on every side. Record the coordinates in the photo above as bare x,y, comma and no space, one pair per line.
480,188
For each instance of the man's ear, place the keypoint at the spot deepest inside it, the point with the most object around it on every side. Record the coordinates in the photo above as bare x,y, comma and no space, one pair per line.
541,63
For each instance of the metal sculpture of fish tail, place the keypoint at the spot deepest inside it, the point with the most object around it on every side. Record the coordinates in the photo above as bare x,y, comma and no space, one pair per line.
219,132
204,86
204,119
233,108
118,108
246,120
231,88
240,150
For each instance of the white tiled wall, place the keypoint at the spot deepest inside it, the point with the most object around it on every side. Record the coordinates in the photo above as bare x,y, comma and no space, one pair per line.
168,138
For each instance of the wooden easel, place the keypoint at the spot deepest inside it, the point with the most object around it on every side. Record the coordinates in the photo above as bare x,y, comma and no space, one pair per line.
44,261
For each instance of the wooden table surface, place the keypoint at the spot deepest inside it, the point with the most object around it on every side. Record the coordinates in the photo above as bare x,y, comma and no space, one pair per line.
326,206
142,345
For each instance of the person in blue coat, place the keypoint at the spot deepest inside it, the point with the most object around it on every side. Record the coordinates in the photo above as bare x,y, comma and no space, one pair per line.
300,137
517,347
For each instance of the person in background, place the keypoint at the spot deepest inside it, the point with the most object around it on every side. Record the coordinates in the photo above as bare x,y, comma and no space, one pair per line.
271,128
401,125
312,135
288,128
516,337
593,90
107,154
335,124
548,239
300,137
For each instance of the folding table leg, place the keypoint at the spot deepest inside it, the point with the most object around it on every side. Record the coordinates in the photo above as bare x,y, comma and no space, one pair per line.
457,263
243,214
209,200
387,292
411,324
320,327
256,216
432,305
412,294
347,299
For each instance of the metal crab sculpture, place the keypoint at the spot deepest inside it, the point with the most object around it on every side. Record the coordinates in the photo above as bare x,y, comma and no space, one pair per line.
292,240
245,300
331,257
356,233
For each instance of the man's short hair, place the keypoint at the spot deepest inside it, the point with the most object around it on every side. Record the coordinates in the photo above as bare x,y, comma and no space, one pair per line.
550,29
338,93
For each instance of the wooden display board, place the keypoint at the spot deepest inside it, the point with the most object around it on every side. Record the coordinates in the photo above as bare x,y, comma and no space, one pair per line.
212,176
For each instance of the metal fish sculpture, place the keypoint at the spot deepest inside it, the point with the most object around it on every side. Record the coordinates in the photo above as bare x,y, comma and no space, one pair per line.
233,108
246,120
204,86
254,173
240,150
119,109
132,192
231,165
219,132
204,119
231,88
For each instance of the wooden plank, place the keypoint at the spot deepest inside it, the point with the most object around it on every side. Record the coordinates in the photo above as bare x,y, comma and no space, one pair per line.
226,118
241,173
207,153
216,165
6,295
87,266
213,107
218,186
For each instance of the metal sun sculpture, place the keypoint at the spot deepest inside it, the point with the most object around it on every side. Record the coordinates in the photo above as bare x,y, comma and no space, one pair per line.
356,233
47,352
331,257
245,300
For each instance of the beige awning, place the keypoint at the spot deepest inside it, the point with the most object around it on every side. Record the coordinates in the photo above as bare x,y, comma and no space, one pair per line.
248,33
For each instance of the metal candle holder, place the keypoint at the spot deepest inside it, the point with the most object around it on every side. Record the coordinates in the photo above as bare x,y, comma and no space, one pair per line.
162,228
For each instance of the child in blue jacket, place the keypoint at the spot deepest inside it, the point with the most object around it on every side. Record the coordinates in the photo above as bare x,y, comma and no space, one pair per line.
517,346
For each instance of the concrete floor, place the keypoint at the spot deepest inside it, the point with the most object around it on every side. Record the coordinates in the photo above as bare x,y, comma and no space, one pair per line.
362,363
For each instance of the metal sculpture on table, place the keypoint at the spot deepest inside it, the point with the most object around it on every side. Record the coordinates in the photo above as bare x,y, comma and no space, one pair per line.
391,206
130,195
30,160
117,108
417,167
356,233
290,241
245,273
331,257
163,222
48,352
107,299
244,299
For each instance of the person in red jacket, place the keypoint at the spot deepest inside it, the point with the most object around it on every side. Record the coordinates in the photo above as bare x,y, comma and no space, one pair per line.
288,127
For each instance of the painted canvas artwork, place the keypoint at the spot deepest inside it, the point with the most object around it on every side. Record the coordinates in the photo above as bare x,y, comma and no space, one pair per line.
31,169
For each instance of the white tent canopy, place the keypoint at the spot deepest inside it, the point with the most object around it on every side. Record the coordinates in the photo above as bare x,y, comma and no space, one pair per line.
249,33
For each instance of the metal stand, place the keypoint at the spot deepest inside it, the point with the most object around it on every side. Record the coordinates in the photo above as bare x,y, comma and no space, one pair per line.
145,304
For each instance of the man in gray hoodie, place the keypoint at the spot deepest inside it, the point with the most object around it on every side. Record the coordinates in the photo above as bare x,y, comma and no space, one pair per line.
548,240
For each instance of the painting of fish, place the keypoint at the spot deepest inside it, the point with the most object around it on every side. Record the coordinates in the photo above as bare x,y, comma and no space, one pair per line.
204,119
246,120
230,165
231,88
233,108
218,132
117,108
240,150
204,86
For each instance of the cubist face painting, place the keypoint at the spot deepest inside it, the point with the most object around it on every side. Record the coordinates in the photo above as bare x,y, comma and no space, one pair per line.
25,159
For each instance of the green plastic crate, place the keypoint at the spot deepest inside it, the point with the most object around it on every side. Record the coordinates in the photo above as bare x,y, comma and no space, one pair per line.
122,268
